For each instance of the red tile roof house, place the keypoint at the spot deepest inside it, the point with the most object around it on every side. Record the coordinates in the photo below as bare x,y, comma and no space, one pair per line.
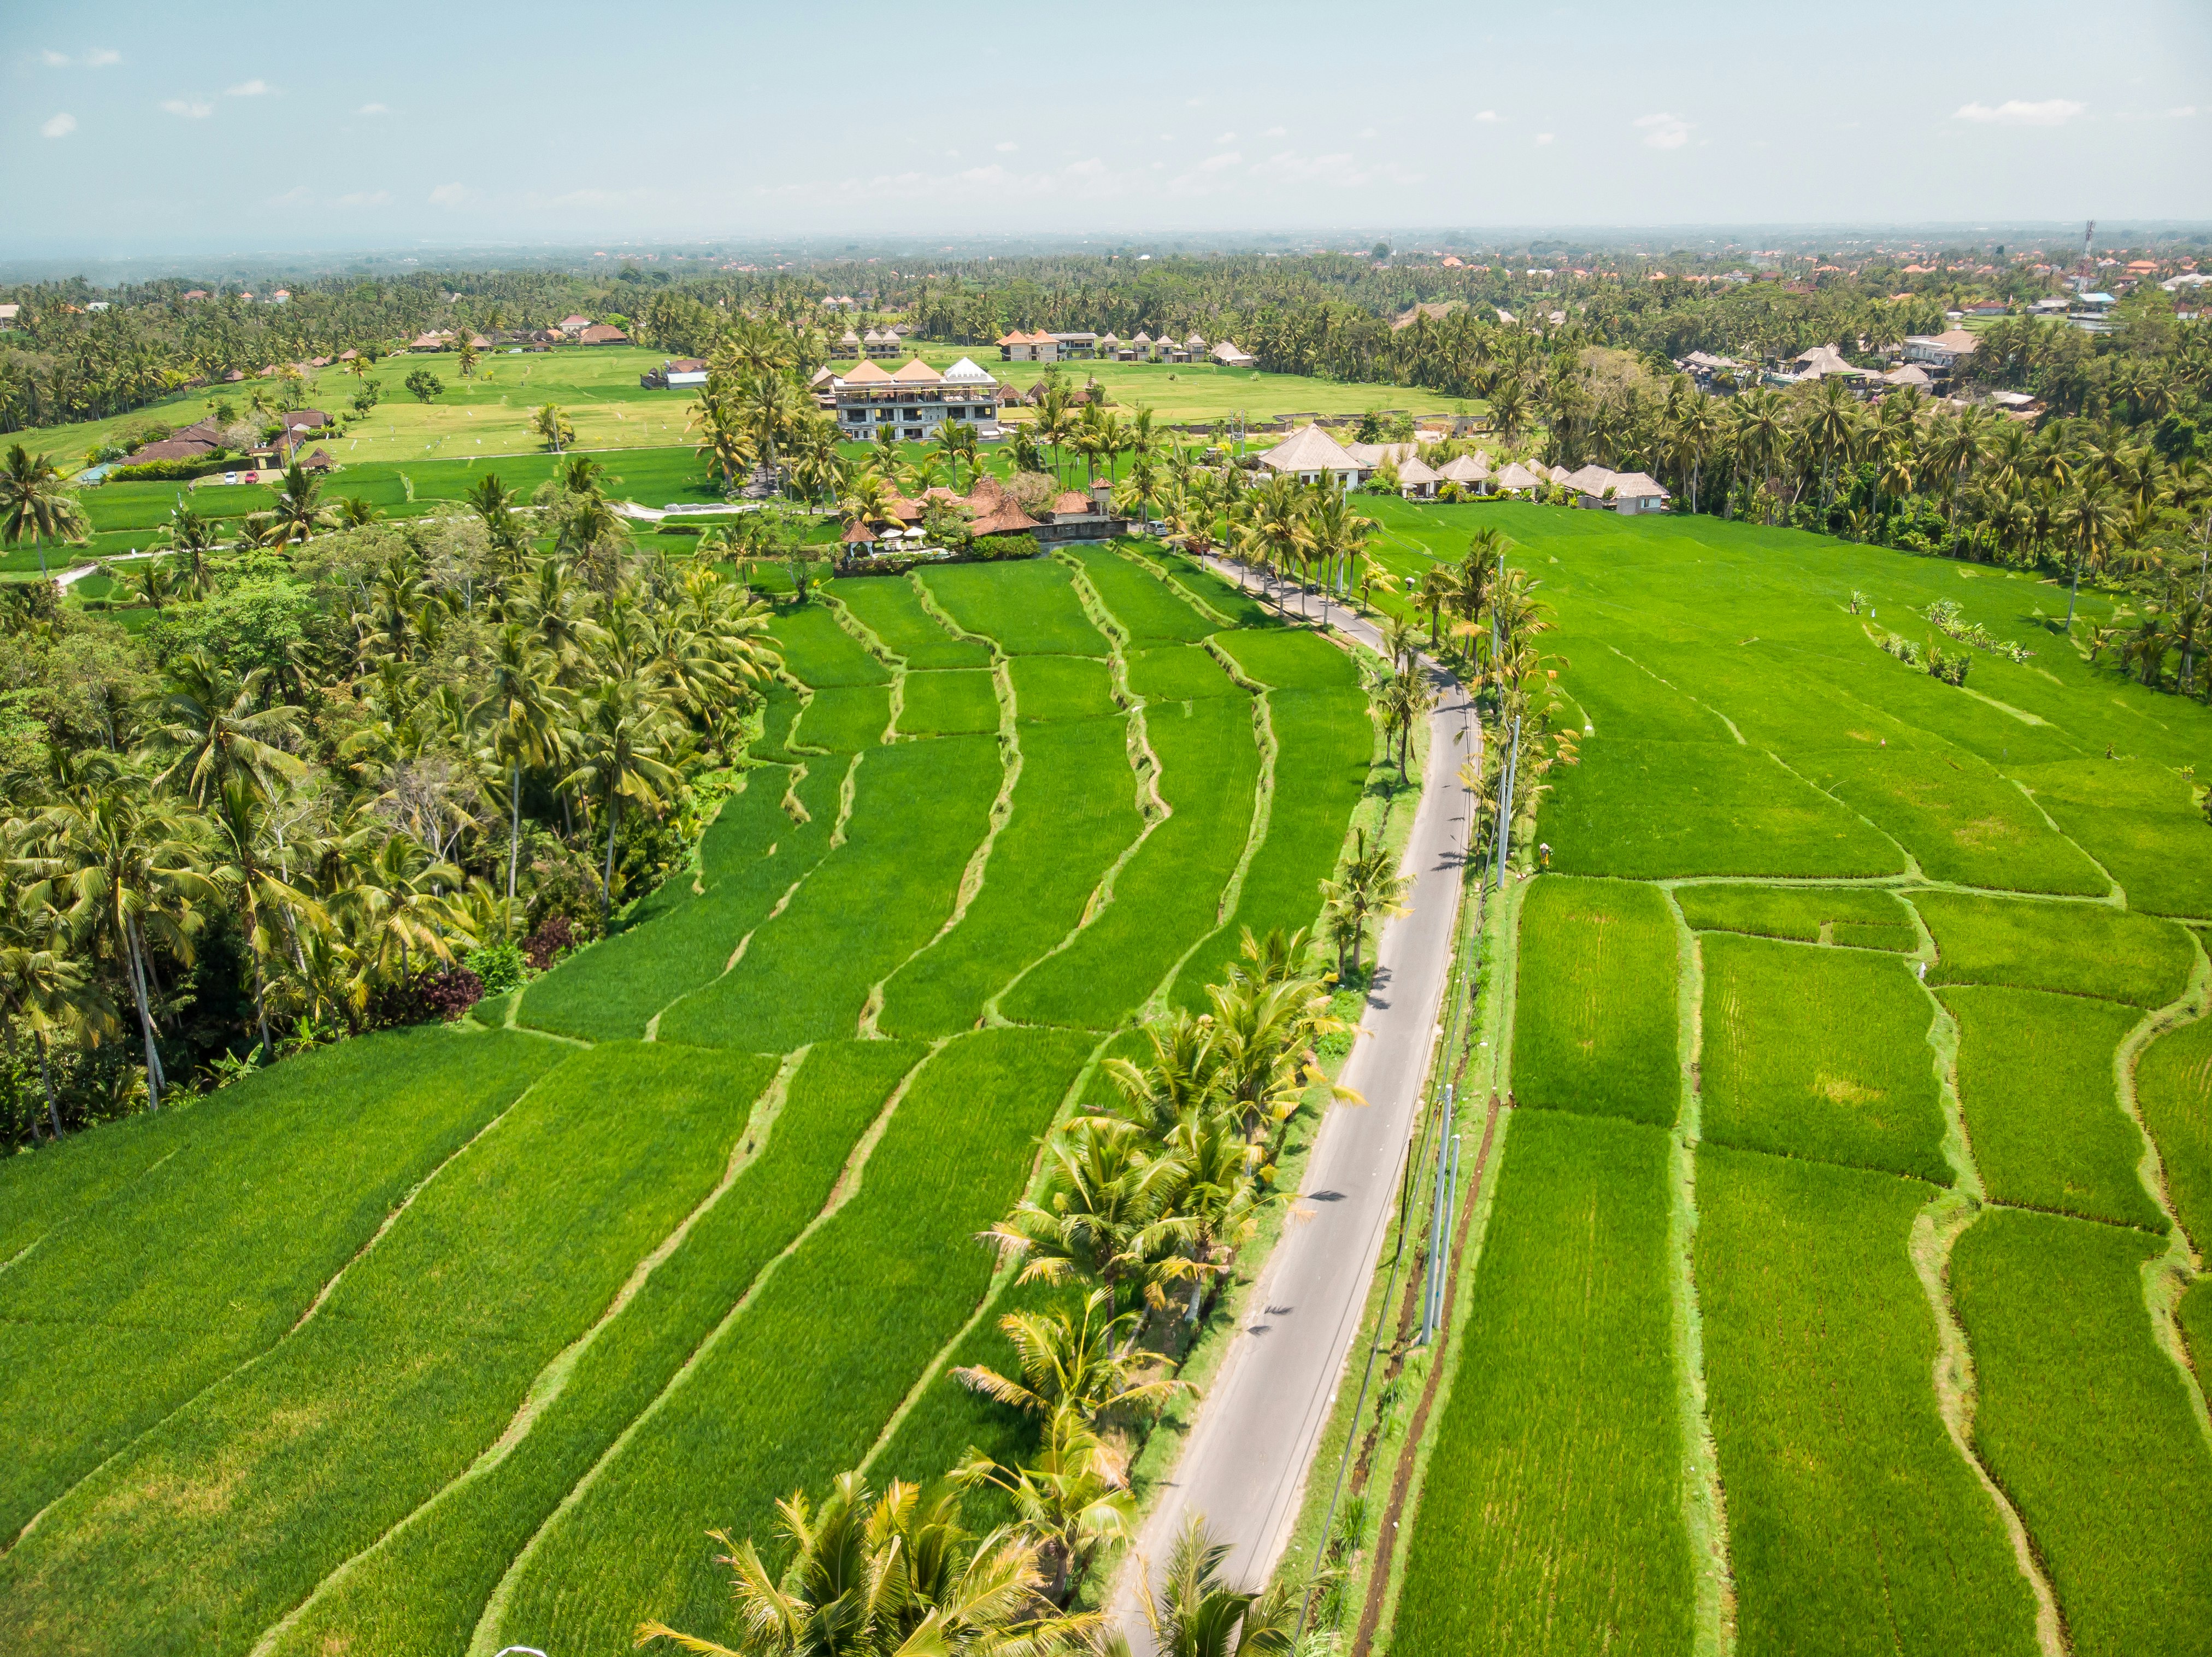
573,324
602,333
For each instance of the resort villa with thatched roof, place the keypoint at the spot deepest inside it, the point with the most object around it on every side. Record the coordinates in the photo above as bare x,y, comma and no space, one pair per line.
911,402
1311,456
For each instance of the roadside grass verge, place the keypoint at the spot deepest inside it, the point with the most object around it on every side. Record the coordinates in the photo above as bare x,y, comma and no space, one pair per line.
1167,895
1236,605
752,853
1551,1517
2088,1427
422,1588
1594,1026
1858,916
1143,606
845,718
2073,949
1031,608
2035,1082
1854,1525
1960,820
2139,820
1074,811
1648,810
817,651
952,703
236,1507
892,609
1179,672
1062,687
876,899
1324,747
2173,1091
326,1145
847,1321
1820,1053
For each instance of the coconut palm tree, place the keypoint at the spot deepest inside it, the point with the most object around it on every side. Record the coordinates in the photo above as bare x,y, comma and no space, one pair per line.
865,1576
624,745
1401,702
1087,1363
520,708
2091,520
213,733
1831,418
1072,1499
35,502
247,864
1100,1214
298,514
1194,1613
44,989
551,423
1370,889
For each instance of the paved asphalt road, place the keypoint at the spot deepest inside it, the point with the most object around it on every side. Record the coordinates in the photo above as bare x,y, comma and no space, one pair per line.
1245,1463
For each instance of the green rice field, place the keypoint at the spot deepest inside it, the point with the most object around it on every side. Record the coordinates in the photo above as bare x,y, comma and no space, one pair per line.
461,1337
1939,1328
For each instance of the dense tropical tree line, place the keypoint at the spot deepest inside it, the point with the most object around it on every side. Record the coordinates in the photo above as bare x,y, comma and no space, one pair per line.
339,766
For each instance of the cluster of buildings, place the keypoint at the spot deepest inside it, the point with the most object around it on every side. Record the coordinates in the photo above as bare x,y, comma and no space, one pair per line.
875,343
867,400
1019,347
1313,456
991,509
200,440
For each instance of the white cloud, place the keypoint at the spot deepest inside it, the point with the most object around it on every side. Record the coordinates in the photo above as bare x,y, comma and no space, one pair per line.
298,196
1215,163
255,88
53,59
102,58
1007,149
1273,132
1192,103
1663,131
365,199
1366,131
449,195
2018,112
191,109
2181,113
1546,137
374,109
1226,138
1488,115
59,127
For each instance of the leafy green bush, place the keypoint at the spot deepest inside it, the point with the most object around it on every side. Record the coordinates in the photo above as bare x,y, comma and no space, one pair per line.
425,384
498,967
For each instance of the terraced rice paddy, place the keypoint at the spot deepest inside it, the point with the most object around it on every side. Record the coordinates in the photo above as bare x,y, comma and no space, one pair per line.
1950,1092
451,1339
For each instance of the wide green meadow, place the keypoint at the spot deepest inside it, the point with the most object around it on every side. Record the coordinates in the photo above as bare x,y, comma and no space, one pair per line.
457,1338
1913,976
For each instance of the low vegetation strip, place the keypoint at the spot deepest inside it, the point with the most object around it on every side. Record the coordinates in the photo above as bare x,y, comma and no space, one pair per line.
1144,606
948,703
2073,949
2088,1427
1074,812
2035,1081
236,1507
1029,608
1551,1519
327,1146
1167,895
1820,1053
1324,745
1961,821
892,611
1854,1525
857,1312
1594,1027
1062,687
919,811
2139,820
753,853
1650,810
2173,1092
817,652
423,1589
1854,915
1234,604
1179,672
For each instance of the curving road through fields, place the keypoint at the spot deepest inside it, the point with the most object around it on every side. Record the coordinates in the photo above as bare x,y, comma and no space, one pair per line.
1251,1446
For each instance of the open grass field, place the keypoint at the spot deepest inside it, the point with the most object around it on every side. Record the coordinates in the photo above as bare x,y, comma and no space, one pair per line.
1856,1525
2073,949
2088,1426
1594,1029
1820,1053
2035,1081
1551,1519
560,1289
1852,917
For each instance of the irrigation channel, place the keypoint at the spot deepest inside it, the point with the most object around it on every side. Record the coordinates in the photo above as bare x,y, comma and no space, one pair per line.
1252,1441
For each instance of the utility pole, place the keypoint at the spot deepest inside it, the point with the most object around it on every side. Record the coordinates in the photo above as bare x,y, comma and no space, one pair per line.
1505,800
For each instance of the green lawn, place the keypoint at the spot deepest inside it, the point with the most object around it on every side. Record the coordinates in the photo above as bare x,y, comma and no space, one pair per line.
1594,1026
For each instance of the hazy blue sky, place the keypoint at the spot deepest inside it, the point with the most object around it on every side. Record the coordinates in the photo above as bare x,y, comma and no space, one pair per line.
140,128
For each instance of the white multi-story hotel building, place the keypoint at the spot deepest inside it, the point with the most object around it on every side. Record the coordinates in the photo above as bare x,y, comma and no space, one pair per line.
912,400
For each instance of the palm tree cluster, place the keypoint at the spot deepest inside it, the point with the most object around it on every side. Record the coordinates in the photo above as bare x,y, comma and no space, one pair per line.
293,806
